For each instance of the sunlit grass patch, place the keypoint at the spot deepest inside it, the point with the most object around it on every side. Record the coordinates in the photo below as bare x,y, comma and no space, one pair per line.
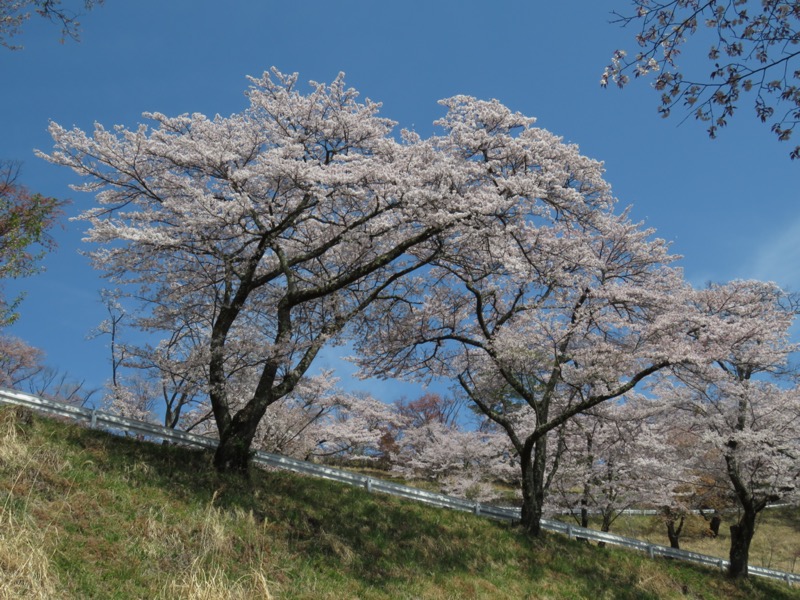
109,517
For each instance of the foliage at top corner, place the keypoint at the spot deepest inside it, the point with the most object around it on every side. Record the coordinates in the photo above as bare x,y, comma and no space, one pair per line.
14,13
754,51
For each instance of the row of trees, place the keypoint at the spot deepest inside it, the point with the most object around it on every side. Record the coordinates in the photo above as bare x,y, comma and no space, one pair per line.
489,255
687,445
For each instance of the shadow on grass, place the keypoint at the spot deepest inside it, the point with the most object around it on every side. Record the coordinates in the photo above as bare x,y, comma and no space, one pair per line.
383,542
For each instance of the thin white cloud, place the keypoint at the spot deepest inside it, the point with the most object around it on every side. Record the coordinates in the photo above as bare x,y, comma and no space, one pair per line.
778,258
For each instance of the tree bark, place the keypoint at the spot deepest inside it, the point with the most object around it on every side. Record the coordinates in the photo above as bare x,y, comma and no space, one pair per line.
674,533
235,441
713,526
233,456
741,536
533,473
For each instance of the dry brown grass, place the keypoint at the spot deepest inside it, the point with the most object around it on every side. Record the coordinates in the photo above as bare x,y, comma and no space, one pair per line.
776,543
25,565
202,583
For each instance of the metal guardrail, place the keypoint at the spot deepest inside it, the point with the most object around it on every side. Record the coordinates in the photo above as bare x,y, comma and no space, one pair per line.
101,419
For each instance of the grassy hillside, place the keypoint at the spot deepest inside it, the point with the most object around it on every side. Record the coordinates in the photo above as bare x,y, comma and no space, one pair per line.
88,515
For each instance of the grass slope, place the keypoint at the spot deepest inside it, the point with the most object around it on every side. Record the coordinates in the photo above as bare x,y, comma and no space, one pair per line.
84,514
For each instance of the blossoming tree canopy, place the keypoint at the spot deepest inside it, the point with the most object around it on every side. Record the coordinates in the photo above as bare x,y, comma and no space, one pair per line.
270,232
737,409
557,309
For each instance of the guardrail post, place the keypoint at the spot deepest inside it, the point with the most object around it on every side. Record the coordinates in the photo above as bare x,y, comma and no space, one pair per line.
651,551
369,485
721,564
94,419
477,510
569,531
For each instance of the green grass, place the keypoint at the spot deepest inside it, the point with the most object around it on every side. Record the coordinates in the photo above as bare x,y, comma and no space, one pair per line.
87,515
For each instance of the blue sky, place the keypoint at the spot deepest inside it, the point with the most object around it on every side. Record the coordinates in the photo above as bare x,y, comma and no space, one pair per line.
729,206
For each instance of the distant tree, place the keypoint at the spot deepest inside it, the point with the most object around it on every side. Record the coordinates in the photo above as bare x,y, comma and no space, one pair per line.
58,385
677,485
14,13
745,422
753,48
19,361
464,463
615,459
25,219
429,408
132,398
22,367
356,429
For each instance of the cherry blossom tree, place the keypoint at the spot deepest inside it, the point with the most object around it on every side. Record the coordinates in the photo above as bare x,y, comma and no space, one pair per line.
617,457
19,361
597,473
545,314
677,485
274,228
753,50
746,422
132,398
466,463
357,429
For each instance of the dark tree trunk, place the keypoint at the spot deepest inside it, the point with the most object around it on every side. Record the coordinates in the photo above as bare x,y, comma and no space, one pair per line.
674,531
233,456
713,526
605,526
741,536
533,473
531,504
235,441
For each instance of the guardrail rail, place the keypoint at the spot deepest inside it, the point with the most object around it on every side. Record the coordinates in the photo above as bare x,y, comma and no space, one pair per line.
111,422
